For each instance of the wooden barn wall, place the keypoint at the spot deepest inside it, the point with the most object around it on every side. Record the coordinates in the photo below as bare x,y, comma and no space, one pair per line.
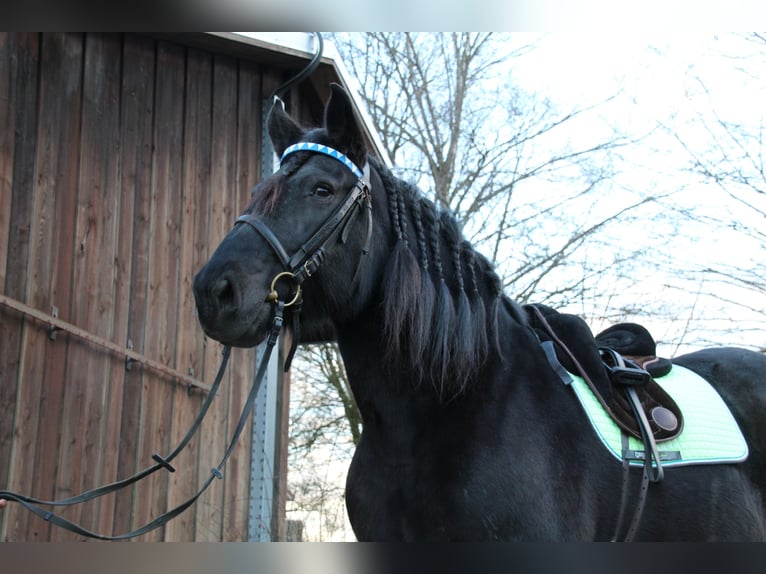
123,162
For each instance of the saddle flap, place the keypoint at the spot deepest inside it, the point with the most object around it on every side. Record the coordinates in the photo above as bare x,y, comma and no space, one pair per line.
578,351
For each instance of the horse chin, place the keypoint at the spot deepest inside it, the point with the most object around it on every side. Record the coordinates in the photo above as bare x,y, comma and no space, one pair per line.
250,329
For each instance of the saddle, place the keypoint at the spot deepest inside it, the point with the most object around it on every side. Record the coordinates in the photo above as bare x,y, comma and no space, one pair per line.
619,365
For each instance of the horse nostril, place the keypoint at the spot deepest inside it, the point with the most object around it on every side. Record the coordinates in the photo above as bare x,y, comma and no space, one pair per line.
223,292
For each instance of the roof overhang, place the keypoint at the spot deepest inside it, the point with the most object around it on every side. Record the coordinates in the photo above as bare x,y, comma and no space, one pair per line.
292,50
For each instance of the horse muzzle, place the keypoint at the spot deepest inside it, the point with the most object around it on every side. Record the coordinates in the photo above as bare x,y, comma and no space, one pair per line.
229,308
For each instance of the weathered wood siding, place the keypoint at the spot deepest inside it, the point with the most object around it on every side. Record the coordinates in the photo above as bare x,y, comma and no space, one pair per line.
123,162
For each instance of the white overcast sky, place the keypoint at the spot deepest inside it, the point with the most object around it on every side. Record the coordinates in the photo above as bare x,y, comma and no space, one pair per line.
656,72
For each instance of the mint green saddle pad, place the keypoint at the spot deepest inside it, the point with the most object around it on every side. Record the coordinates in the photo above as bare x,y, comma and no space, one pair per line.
710,434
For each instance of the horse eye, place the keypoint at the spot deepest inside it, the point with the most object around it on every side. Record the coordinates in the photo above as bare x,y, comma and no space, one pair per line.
322,191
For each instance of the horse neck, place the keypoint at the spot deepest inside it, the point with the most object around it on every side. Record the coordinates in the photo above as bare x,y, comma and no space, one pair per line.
399,402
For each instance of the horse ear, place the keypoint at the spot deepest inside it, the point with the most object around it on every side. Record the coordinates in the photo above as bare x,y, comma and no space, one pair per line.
283,131
341,124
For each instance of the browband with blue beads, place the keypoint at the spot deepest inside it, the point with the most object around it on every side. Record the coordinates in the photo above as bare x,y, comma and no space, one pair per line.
326,150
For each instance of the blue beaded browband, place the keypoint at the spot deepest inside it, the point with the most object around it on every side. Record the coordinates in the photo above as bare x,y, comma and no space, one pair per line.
326,150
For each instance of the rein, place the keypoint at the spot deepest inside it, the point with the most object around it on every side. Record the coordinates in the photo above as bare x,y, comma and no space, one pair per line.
298,267
358,196
311,254
33,504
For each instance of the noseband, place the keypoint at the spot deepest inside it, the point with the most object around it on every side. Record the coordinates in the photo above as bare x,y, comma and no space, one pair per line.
308,258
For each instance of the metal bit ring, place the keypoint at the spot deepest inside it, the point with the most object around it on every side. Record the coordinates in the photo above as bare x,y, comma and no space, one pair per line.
273,296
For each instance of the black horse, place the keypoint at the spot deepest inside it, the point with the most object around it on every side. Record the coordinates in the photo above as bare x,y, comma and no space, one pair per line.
468,432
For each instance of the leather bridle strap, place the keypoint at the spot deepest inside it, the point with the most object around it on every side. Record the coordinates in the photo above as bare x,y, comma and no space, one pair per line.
32,504
310,255
651,453
264,231
162,461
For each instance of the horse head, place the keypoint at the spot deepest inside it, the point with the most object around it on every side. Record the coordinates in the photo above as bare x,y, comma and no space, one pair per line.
304,239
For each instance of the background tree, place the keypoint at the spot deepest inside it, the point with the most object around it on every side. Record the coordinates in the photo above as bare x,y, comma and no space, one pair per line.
524,177
721,146
324,427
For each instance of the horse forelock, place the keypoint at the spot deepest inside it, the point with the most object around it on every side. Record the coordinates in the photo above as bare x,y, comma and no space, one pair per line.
440,297
266,194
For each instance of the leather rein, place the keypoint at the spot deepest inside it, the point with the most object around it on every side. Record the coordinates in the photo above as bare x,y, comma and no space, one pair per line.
33,504
298,268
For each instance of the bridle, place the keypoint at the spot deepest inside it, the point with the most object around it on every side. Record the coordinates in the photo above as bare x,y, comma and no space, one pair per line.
311,254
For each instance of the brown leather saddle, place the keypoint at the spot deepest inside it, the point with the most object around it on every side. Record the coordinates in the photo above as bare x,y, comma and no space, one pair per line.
619,365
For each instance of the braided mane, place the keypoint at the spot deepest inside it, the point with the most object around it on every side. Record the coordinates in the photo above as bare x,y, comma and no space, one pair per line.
441,297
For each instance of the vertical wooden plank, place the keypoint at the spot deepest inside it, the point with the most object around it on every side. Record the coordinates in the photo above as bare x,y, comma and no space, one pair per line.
83,458
9,323
55,185
8,357
103,175
164,255
221,219
190,344
137,104
19,66
8,71
237,472
61,184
